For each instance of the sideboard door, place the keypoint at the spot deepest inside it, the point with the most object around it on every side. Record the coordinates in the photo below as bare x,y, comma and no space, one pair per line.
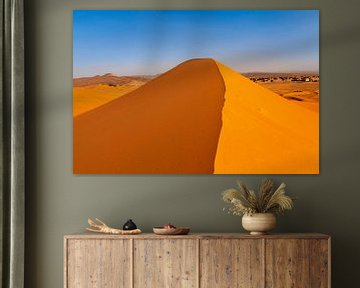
98,263
287,263
297,263
320,263
230,263
170,263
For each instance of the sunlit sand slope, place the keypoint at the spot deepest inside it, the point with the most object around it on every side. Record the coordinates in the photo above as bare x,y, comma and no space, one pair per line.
86,98
169,125
263,133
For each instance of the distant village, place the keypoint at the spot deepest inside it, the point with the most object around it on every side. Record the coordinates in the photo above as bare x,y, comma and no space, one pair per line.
282,77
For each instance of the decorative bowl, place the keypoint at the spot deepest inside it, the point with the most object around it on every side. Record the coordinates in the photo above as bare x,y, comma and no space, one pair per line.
259,223
171,231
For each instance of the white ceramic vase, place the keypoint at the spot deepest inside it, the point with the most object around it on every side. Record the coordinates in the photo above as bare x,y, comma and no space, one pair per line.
259,223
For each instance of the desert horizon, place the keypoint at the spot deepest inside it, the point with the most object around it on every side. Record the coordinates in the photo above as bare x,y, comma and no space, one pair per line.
286,84
247,74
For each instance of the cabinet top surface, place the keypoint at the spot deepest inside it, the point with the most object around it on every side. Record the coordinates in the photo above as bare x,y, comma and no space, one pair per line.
86,235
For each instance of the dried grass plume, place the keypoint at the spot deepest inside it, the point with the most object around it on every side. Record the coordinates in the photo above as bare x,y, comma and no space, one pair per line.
267,200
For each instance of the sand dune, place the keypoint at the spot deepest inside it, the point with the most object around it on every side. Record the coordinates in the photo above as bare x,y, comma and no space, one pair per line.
200,117
92,92
169,125
263,133
86,98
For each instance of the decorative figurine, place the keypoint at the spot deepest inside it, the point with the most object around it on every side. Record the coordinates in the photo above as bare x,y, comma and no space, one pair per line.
129,225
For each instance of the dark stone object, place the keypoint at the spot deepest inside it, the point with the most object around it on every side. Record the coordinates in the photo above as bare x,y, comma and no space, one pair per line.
129,225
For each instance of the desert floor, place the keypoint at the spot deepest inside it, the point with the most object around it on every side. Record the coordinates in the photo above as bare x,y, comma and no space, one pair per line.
303,93
86,98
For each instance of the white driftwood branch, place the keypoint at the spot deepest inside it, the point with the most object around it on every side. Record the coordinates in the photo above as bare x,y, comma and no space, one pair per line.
101,227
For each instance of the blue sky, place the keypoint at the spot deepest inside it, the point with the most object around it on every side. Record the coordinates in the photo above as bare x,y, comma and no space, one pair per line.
152,41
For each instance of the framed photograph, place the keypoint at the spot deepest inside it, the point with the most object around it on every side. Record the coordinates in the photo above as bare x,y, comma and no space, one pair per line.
196,92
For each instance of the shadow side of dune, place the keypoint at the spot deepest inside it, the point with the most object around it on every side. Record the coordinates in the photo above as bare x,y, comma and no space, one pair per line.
170,125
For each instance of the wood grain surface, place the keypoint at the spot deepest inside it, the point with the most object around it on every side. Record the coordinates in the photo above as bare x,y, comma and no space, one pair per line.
230,263
98,263
287,263
319,263
165,263
89,235
197,260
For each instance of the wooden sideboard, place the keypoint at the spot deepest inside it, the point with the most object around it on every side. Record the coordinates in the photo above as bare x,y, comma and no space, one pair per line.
197,260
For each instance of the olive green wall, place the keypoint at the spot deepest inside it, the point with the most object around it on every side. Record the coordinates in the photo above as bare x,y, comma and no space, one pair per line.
59,202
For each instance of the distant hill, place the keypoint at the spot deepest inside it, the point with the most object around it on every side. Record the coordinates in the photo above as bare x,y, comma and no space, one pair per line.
109,79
